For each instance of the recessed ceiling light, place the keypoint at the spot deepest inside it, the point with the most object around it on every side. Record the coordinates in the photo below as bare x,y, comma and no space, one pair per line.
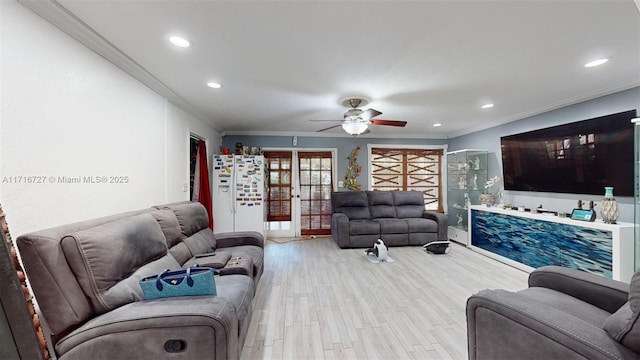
596,62
214,85
179,41
486,106
437,124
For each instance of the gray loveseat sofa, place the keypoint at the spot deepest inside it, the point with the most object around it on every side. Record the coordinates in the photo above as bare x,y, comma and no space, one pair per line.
360,218
564,314
85,277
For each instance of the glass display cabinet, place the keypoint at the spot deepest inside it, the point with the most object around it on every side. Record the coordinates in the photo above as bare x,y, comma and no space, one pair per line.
466,178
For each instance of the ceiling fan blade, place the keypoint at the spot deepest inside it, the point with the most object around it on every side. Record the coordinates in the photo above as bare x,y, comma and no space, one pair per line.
389,122
370,113
329,128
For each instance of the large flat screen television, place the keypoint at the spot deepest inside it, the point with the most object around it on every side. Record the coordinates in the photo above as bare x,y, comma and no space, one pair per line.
576,158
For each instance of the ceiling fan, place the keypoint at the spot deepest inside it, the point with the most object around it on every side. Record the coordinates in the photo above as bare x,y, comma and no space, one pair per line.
356,121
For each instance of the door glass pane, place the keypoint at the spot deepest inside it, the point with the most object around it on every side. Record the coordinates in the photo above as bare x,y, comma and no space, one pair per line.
305,177
285,177
315,192
279,194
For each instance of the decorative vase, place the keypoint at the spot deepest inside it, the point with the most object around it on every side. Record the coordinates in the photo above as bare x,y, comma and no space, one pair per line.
487,199
609,210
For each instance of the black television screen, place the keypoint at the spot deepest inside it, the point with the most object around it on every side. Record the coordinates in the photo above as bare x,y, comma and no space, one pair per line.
576,158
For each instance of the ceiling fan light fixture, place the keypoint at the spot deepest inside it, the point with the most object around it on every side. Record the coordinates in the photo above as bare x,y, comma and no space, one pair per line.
179,41
597,62
355,128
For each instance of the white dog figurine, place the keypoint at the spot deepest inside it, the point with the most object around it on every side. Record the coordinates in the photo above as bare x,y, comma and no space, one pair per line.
380,251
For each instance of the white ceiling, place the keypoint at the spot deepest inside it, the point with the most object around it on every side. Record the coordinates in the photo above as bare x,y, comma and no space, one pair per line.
283,63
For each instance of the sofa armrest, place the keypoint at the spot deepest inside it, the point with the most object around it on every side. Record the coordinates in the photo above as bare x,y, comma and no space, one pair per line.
607,294
443,223
238,238
206,325
340,229
505,325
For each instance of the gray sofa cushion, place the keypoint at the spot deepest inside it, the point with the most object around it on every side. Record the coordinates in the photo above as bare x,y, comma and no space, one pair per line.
567,304
624,324
393,226
255,253
354,204
381,204
364,227
201,242
61,300
422,226
196,234
104,255
409,204
173,233
170,227
192,217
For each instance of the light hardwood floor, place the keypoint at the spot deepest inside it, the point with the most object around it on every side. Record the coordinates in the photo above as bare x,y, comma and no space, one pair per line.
317,301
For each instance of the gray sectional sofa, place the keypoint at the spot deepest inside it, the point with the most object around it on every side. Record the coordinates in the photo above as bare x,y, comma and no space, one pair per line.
563,314
399,218
85,277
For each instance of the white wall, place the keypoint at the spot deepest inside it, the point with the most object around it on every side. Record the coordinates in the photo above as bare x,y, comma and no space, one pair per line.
180,126
67,112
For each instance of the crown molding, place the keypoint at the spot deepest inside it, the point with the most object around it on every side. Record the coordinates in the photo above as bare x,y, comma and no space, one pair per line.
331,135
56,14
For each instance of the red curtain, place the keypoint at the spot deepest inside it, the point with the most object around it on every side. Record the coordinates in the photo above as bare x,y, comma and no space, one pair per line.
201,187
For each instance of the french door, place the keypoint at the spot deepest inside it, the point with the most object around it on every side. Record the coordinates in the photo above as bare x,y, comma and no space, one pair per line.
299,192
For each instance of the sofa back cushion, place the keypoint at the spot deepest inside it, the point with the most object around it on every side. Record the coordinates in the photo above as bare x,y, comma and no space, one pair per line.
173,233
61,300
106,259
354,204
381,204
624,325
197,237
169,225
409,204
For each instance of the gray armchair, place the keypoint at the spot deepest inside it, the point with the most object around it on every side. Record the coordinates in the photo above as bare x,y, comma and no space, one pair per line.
564,314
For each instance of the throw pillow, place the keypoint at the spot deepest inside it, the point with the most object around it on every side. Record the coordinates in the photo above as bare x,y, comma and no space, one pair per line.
624,325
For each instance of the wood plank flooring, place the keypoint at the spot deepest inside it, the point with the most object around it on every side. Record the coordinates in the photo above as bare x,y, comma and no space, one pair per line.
317,301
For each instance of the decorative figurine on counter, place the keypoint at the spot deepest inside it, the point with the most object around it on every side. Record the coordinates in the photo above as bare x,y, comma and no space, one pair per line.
462,183
475,181
476,163
459,220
